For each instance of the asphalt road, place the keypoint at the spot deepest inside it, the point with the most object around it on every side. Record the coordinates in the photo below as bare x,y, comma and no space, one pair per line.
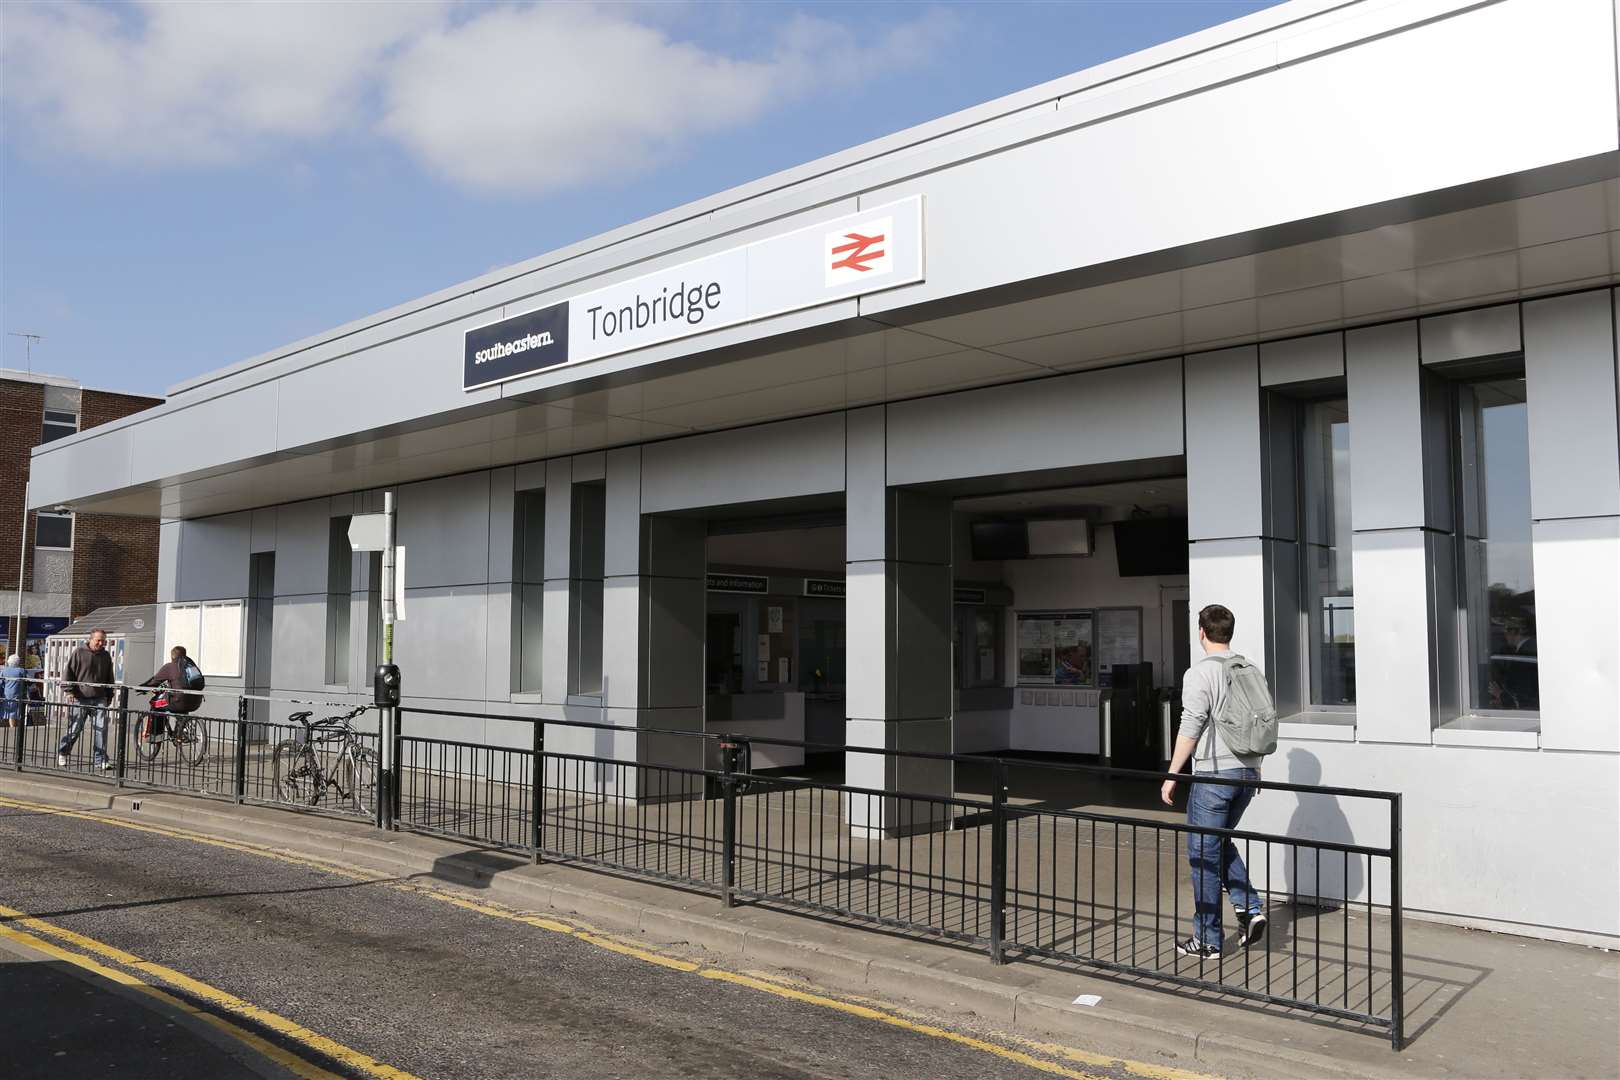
411,980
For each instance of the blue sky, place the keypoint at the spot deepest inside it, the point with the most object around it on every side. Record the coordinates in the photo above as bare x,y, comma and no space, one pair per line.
184,186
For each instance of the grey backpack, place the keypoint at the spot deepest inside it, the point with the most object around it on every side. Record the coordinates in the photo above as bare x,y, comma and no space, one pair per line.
1247,719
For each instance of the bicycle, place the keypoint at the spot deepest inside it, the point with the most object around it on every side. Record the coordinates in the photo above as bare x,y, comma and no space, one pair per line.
188,734
299,776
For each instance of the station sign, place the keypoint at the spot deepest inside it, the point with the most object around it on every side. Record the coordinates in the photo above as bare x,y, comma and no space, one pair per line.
739,583
821,587
852,255
969,596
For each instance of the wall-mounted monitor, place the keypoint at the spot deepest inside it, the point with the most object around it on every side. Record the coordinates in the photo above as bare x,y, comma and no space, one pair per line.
1151,547
1059,536
993,541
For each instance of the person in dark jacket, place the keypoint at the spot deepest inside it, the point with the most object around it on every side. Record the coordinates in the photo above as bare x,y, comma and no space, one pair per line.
174,701
87,684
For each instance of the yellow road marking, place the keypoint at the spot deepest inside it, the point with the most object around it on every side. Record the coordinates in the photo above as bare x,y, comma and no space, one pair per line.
593,936
221,998
288,1060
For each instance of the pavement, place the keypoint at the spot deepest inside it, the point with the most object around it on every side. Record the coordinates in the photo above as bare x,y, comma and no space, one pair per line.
1479,1004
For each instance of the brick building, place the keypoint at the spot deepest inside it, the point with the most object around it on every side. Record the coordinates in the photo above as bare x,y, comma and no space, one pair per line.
72,563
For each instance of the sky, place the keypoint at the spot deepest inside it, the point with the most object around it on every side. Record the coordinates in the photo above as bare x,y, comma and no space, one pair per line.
183,186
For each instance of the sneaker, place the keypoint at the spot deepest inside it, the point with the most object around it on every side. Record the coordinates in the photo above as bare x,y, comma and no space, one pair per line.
1194,947
61,761
105,766
1252,928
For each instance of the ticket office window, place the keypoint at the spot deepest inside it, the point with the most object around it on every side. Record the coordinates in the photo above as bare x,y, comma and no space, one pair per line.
980,659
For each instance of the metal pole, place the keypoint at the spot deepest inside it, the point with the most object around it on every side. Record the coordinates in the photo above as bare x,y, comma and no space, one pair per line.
22,560
241,748
388,721
537,791
1397,965
998,862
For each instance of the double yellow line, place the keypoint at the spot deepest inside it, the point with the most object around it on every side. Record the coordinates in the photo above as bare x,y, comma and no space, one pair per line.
354,1059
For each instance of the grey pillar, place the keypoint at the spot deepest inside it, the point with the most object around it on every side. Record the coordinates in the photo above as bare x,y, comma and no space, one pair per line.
898,659
652,636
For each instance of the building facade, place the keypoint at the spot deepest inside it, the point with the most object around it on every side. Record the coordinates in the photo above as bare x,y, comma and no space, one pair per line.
941,443
72,563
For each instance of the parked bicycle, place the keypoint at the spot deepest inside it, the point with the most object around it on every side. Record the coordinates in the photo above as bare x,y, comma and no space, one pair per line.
187,734
300,776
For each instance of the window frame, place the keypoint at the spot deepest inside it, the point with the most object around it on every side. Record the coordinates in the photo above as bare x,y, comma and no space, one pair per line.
1462,675
73,530
1302,512
47,422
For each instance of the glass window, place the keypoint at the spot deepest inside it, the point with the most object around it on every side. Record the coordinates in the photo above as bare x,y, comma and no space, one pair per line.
1326,589
58,425
339,568
588,533
1498,580
53,530
528,588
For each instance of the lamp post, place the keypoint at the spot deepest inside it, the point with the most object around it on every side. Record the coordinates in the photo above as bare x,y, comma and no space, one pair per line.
22,560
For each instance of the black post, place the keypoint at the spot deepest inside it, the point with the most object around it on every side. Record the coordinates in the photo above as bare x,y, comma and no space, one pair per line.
730,752
122,723
998,862
241,748
537,783
1397,962
394,769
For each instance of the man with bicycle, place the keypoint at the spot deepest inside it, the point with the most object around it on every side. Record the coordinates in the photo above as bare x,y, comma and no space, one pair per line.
174,679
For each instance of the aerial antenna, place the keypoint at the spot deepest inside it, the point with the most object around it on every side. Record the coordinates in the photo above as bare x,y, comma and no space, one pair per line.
28,346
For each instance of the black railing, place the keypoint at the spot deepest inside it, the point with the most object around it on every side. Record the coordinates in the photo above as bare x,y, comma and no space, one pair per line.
1039,881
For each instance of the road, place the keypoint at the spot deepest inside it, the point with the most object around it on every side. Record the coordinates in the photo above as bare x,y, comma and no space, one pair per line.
325,968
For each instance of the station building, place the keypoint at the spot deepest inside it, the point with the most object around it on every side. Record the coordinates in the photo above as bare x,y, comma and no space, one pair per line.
941,442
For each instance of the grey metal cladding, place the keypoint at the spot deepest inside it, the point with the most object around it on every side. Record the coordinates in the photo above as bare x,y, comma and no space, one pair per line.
673,650
213,557
866,484
1115,414
921,646
752,464
444,526
1466,335
219,430
301,551
1224,467
442,641
1569,366
1386,427
622,535
1305,359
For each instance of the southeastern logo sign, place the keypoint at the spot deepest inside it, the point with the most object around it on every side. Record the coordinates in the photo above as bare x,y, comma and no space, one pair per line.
529,342
852,255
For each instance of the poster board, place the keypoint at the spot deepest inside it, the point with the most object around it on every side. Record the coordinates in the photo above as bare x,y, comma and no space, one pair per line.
1056,648
1119,640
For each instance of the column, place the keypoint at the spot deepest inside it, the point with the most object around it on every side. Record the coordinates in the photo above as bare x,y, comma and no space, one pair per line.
898,615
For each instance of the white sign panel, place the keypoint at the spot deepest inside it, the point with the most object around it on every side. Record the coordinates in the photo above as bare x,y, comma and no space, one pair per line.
852,255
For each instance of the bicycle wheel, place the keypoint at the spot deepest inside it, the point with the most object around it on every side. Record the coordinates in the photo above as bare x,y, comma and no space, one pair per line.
297,774
358,779
191,738
147,749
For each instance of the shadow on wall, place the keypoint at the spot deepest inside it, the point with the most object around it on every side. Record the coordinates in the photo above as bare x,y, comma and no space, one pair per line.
1310,874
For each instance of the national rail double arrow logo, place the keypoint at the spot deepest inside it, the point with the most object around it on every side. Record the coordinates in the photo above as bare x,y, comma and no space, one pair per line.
860,252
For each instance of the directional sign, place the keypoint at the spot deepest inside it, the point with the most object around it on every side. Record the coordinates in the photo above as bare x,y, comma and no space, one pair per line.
368,532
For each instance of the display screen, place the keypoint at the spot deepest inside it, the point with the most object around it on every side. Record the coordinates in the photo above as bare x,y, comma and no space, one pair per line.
995,540
1151,547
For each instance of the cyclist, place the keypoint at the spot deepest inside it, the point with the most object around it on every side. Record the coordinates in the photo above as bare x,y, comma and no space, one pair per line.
176,681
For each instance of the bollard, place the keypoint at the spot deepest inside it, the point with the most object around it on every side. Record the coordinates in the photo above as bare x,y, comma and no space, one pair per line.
730,754
122,722
537,794
241,749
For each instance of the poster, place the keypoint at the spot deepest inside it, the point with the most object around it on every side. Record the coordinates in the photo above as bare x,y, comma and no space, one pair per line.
1119,640
773,619
1056,648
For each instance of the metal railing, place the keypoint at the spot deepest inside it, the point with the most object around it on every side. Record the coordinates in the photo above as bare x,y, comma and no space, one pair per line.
1036,881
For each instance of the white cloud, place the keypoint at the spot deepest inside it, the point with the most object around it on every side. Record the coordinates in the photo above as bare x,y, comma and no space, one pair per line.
177,84
520,100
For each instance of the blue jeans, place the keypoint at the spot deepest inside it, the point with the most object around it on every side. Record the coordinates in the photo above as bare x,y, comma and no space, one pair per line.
77,714
1214,859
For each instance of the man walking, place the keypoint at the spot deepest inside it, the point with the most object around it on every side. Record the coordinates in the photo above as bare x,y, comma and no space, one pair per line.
86,682
1214,859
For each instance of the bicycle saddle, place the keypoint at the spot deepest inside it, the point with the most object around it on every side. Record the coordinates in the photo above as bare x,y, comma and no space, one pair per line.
300,717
